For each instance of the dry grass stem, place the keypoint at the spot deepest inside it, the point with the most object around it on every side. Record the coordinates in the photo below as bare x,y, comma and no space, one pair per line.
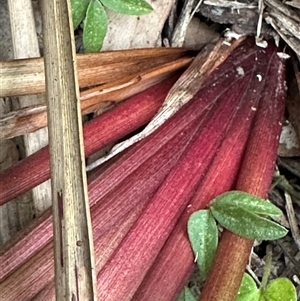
25,45
73,248
292,219
27,76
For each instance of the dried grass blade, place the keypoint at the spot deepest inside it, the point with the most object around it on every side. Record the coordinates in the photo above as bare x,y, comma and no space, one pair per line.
74,260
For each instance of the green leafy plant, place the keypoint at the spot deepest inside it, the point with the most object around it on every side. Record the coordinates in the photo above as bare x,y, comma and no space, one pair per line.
93,15
186,295
280,289
241,213
237,211
203,236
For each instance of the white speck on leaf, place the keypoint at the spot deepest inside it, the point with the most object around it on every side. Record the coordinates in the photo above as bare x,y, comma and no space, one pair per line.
240,71
196,257
283,55
289,137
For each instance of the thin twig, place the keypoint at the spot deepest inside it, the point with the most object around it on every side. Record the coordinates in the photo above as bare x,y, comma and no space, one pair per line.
288,255
260,18
195,10
252,274
292,219
231,4
182,24
268,267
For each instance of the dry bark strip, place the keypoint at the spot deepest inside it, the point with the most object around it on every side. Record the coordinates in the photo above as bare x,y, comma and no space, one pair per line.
73,248
27,76
99,98
25,45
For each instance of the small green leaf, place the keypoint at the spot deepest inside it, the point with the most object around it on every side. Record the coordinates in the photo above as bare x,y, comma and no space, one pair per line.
186,295
128,7
95,27
79,8
247,224
280,289
203,235
247,201
248,290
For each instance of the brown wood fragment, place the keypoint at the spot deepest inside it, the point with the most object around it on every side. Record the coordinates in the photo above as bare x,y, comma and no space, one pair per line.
74,262
101,98
23,77
25,45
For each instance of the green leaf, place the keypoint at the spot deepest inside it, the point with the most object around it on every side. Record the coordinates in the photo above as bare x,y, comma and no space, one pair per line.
247,201
248,290
128,7
95,27
203,235
186,295
247,224
79,8
280,289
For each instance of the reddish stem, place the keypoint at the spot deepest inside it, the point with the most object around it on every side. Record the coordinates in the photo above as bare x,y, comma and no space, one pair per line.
114,206
114,124
175,262
103,181
125,270
255,177
149,233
